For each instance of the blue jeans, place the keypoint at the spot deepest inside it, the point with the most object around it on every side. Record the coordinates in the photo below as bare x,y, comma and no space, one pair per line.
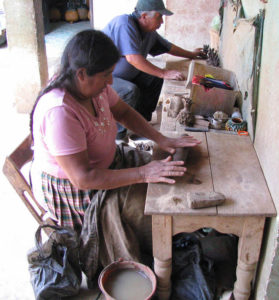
142,93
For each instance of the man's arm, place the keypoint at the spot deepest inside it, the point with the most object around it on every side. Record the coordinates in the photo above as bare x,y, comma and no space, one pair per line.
177,51
142,64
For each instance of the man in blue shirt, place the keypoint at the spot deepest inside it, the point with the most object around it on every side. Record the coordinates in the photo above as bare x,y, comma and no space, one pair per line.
137,81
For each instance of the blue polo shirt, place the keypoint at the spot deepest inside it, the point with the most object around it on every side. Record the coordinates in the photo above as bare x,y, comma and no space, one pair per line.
126,34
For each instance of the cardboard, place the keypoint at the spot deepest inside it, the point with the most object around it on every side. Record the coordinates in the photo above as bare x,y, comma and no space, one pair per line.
206,103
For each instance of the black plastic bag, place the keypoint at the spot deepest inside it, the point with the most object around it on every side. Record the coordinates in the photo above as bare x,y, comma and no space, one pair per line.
222,250
192,275
204,264
54,266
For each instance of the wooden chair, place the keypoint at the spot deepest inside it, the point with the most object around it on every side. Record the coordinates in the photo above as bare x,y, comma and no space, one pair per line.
12,169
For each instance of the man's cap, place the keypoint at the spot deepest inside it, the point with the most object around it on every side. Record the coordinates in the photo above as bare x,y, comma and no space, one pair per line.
153,5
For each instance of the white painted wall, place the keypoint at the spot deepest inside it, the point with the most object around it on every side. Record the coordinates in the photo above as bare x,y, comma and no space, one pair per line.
235,54
267,145
105,10
252,7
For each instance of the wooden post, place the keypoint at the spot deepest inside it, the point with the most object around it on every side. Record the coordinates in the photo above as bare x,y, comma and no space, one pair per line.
162,251
91,13
249,247
25,35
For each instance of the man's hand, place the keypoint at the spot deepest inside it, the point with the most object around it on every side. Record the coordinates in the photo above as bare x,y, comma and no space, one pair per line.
173,74
198,53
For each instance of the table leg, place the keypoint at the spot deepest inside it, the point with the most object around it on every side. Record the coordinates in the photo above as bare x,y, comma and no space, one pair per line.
162,252
249,246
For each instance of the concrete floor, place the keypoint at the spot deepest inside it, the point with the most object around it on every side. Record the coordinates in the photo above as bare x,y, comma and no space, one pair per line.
17,226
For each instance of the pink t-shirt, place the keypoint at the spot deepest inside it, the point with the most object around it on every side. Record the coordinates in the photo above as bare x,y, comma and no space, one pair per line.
61,126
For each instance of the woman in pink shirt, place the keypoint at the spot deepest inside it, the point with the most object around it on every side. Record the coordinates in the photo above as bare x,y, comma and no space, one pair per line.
87,182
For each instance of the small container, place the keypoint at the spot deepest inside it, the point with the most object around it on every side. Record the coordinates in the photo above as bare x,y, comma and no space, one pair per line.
110,272
216,124
236,124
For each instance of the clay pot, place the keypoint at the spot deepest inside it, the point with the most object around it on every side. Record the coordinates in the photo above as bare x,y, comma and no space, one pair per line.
108,274
83,12
176,105
236,124
54,14
71,15
216,123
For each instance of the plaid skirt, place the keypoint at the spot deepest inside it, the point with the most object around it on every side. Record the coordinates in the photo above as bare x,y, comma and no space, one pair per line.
66,203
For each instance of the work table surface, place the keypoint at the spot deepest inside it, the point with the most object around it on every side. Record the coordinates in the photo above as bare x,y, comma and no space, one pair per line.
222,163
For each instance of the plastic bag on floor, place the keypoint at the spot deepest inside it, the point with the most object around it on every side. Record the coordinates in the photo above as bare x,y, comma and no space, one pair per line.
222,250
54,266
193,275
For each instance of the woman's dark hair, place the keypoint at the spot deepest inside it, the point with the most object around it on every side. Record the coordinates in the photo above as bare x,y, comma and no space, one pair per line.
90,49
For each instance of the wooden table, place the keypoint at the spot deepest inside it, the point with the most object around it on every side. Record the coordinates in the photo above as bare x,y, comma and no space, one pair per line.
223,163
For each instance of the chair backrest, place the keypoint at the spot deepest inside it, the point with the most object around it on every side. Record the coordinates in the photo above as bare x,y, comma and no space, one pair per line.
12,169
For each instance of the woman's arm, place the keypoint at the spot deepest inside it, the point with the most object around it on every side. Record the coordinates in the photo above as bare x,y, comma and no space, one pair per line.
81,175
132,120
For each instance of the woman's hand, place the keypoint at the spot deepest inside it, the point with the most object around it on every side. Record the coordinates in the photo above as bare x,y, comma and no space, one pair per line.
170,144
161,170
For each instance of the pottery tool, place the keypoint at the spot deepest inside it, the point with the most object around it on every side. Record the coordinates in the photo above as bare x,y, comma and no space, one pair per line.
202,199
180,154
210,82
242,132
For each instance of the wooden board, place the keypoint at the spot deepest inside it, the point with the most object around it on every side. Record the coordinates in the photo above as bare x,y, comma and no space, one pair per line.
237,174
171,199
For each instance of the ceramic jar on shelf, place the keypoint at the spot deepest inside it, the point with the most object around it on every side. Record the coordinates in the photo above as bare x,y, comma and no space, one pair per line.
71,14
83,10
54,14
236,124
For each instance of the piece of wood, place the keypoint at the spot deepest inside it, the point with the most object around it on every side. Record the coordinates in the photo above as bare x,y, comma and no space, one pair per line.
202,199
232,225
21,156
162,251
249,246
